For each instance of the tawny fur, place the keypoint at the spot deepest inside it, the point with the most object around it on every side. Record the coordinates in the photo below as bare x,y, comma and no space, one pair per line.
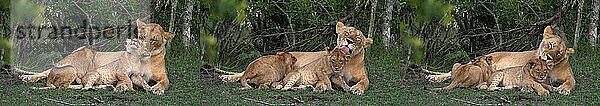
266,70
157,39
353,71
471,75
552,49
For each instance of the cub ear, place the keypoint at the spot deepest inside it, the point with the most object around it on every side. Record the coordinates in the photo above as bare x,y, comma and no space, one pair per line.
140,23
489,59
338,27
328,49
570,50
168,36
548,32
455,66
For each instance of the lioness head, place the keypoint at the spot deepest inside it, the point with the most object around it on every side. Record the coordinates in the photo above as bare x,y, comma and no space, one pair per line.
154,35
538,69
351,40
553,48
338,58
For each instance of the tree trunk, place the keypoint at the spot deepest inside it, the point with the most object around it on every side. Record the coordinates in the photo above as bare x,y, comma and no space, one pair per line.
578,24
593,27
187,37
172,20
386,23
372,20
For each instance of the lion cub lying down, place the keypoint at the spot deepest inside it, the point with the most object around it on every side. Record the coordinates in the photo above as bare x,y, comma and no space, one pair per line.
473,74
269,70
317,74
116,72
532,75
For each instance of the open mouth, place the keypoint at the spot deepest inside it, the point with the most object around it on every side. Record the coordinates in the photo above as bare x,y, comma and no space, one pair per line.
345,49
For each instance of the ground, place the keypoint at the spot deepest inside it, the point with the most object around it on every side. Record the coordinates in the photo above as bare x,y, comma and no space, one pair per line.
390,84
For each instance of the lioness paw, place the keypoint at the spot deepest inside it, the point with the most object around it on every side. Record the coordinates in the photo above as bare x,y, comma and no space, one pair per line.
228,78
357,90
563,90
157,90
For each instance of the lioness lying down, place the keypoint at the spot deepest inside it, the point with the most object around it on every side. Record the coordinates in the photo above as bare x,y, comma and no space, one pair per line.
115,73
156,72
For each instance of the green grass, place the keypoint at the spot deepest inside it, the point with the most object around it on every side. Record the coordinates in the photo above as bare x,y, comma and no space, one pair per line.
390,83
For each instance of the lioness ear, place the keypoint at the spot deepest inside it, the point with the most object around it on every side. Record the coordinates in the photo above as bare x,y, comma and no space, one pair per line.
338,27
368,42
570,50
489,59
140,23
548,32
328,49
168,36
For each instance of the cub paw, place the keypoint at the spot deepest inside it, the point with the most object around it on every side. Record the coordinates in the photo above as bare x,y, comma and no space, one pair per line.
320,88
543,92
228,78
28,78
435,78
357,90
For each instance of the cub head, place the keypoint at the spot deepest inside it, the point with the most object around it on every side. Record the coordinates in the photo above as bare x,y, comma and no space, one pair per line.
136,47
538,69
337,57
287,58
351,40
553,48
154,35
482,61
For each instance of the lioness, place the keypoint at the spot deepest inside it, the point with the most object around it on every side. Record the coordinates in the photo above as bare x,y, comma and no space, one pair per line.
150,33
351,41
116,72
269,69
552,49
473,74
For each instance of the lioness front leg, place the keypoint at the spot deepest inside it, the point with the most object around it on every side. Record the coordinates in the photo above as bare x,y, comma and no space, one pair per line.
161,85
566,86
360,87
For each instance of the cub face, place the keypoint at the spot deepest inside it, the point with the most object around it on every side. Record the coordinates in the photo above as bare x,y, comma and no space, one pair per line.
553,48
351,40
136,47
538,69
483,61
337,58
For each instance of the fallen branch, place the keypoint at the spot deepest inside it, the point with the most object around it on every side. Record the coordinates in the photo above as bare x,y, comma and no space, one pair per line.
472,103
270,104
419,69
22,71
65,103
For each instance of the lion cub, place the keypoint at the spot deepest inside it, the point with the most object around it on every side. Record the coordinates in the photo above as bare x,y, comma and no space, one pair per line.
268,69
535,75
473,74
318,76
118,71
